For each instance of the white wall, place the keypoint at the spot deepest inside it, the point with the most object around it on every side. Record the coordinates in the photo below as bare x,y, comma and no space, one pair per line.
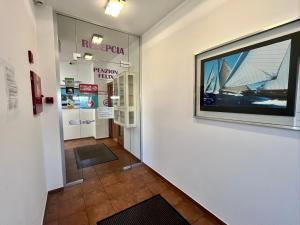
50,116
23,188
245,175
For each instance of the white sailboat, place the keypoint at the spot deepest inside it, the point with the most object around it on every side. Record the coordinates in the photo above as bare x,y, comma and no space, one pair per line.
261,64
224,74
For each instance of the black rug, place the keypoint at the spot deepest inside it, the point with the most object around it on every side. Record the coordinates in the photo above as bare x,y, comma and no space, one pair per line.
91,155
154,211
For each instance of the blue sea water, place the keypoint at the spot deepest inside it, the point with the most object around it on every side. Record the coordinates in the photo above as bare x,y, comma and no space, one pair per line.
225,100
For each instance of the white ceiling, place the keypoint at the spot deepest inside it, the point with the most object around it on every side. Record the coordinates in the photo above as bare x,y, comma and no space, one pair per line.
136,18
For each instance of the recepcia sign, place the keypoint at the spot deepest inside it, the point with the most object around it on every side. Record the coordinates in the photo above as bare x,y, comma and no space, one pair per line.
105,74
88,88
103,47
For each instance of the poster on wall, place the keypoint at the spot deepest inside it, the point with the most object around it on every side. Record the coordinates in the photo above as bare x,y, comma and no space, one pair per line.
69,91
70,84
258,79
88,96
9,88
70,101
106,113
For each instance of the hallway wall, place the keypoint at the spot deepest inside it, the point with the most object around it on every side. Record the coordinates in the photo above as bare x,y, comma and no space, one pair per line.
23,188
52,138
245,175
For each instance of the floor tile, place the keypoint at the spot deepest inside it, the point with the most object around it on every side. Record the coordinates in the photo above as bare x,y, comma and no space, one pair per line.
157,187
189,211
142,194
71,193
204,221
79,218
134,185
99,212
95,197
126,176
53,198
51,223
173,197
123,202
109,179
71,206
147,177
116,190
88,173
91,184
51,212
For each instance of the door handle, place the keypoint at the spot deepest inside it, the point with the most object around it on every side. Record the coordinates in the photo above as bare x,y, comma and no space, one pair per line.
87,121
74,122
79,122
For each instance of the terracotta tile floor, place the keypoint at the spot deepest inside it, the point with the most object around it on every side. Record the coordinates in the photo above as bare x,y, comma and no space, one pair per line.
74,174
102,195
107,189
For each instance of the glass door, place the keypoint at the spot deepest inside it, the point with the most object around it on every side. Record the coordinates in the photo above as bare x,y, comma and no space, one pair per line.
112,119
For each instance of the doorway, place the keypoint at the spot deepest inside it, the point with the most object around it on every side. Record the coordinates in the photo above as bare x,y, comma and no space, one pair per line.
116,132
101,128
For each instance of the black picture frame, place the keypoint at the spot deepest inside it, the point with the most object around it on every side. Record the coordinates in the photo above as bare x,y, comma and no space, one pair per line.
292,83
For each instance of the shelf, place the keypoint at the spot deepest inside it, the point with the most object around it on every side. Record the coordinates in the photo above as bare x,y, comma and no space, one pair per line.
125,107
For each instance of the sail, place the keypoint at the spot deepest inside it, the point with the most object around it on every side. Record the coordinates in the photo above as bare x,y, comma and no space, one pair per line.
209,85
261,64
282,79
224,73
217,86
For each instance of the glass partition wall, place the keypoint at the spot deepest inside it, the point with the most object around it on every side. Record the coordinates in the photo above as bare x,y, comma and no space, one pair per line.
100,86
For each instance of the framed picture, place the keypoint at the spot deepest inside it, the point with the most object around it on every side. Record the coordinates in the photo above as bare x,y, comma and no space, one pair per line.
259,78
36,91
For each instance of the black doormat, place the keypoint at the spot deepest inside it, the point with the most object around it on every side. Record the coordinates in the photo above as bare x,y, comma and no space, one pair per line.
154,211
91,155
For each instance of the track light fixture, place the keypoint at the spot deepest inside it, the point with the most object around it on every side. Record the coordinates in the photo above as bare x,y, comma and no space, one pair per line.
114,7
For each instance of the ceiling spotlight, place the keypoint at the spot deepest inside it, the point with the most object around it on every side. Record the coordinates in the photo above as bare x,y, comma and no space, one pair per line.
114,7
97,39
39,2
88,56
76,55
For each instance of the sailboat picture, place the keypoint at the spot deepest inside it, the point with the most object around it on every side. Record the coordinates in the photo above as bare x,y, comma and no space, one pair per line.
252,80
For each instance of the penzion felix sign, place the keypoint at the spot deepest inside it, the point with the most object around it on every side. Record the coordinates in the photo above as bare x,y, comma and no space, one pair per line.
105,74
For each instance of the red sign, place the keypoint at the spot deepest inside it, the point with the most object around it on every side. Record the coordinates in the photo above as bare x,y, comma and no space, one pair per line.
88,88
